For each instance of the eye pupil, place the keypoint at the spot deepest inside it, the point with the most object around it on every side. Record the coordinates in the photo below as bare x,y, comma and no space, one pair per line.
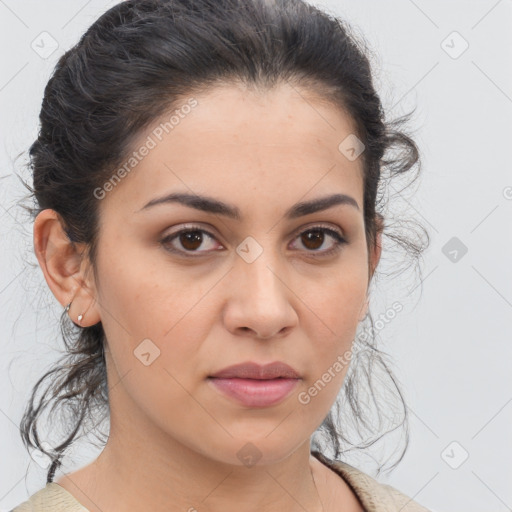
314,235
191,236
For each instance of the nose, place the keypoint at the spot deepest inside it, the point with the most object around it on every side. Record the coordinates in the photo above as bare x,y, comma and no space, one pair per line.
259,302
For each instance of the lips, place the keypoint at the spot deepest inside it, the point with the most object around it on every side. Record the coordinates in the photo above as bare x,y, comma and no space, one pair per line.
251,370
254,385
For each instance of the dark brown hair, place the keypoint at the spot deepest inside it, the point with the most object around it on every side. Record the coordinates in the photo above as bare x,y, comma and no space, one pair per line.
138,61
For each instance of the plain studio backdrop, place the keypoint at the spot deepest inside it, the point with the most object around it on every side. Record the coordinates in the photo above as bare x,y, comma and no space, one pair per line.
451,344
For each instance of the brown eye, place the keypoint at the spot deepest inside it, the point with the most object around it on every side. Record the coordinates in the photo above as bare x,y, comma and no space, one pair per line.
315,237
189,241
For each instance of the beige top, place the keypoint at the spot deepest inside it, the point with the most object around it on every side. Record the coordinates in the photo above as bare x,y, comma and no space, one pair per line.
374,496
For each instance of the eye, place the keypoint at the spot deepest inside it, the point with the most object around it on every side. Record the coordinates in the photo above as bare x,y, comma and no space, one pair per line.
190,239
194,237
314,237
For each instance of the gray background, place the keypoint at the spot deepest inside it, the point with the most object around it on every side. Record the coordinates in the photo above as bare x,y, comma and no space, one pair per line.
451,347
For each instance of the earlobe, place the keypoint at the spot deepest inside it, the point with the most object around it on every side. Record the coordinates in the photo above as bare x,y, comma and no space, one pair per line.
62,266
79,318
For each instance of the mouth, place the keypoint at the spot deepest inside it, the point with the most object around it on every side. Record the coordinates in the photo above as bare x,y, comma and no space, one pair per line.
255,385
255,371
255,392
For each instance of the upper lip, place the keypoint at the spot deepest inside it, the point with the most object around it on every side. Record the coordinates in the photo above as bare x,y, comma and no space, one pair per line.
251,370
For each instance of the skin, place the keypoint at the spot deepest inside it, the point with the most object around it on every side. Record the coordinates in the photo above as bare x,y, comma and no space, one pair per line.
174,438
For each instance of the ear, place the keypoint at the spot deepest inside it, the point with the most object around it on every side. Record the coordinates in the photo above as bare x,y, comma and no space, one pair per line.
64,268
373,260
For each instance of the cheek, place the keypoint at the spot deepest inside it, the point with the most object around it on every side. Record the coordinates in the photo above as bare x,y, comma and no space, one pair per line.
139,297
336,305
153,329
150,316
333,315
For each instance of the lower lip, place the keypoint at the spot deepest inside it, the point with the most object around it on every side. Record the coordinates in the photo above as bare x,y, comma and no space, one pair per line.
255,393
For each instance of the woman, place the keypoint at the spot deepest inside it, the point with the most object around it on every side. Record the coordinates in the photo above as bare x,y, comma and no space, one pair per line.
207,178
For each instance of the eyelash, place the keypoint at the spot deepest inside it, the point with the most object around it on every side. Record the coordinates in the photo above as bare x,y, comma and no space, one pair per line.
340,241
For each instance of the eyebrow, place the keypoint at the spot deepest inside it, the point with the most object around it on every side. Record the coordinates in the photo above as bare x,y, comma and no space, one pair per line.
211,205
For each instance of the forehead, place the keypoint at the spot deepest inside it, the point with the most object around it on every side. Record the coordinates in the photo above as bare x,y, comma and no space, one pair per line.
280,145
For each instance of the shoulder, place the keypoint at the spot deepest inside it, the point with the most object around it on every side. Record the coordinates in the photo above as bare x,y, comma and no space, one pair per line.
52,498
374,495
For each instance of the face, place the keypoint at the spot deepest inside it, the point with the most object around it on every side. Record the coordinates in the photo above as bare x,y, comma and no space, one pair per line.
183,293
